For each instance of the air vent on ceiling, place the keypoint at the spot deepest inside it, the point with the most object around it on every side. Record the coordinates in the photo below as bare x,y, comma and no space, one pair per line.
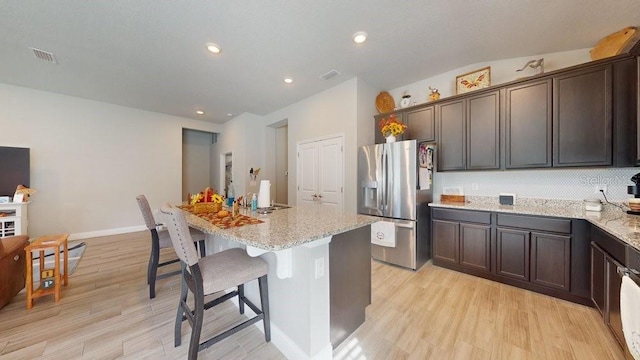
44,55
330,74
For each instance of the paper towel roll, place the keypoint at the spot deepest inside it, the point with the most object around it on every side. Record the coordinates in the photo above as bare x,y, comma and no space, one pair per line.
264,195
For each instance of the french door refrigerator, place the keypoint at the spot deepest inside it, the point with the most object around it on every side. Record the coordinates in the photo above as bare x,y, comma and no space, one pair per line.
395,184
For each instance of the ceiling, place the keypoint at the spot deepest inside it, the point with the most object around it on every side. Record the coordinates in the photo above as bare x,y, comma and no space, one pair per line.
151,54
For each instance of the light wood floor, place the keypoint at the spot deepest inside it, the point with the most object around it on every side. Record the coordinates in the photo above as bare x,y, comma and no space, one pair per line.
105,313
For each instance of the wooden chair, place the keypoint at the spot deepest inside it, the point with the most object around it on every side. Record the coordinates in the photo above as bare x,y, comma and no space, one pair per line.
214,273
160,240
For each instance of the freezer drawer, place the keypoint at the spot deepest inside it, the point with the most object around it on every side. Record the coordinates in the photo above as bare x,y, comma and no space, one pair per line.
404,253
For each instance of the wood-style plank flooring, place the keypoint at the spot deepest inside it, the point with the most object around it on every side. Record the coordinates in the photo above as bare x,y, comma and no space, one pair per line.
435,313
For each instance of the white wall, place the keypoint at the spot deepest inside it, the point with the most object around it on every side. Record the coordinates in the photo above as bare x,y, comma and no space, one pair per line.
89,160
502,71
330,112
196,161
244,137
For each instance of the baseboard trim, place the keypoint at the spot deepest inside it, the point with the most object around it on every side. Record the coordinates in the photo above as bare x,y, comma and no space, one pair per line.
107,232
284,343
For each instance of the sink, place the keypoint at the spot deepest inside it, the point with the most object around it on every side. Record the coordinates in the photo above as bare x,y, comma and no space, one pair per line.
278,207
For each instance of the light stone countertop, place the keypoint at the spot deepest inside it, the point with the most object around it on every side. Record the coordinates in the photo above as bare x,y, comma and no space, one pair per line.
611,219
286,228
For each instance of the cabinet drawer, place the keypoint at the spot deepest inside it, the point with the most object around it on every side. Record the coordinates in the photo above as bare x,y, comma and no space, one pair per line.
478,217
609,244
562,226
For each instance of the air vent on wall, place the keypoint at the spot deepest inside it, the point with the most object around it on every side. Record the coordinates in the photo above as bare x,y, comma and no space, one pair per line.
330,74
44,55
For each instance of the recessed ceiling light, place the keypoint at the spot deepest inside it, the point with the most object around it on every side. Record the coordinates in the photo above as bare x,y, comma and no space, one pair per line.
229,114
200,112
214,48
359,37
287,80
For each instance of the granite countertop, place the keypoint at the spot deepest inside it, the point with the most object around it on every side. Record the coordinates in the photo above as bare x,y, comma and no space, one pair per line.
611,219
286,228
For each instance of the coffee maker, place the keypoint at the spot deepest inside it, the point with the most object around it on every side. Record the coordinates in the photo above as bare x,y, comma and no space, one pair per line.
635,191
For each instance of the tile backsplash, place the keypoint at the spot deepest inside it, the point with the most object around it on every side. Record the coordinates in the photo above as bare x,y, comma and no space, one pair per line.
574,184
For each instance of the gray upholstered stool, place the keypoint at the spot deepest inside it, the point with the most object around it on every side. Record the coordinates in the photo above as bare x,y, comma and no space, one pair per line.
223,270
160,240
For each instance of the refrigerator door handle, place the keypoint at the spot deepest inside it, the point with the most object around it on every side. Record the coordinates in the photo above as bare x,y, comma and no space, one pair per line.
383,187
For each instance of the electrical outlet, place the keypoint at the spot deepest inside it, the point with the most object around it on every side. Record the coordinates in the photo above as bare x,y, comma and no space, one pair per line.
319,268
599,189
474,186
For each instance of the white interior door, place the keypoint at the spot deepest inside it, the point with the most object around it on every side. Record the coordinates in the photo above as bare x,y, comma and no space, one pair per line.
330,182
307,173
320,173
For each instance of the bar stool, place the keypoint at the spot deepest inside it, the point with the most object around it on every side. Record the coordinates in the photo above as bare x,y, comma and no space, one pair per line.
160,240
227,269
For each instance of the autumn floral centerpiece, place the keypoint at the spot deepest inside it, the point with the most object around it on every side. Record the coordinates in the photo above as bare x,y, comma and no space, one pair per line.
206,201
391,127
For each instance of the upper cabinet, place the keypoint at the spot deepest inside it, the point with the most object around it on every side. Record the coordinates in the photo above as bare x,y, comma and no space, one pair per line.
527,127
420,123
582,115
469,133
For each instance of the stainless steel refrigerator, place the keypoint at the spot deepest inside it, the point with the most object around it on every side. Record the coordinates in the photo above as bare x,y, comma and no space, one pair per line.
395,182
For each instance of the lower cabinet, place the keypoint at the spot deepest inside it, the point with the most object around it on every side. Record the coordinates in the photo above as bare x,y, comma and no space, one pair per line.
466,244
544,254
607,256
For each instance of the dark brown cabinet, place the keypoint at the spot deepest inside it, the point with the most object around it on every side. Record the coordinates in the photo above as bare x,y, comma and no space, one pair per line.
512,253
475,246
420,124
469,133
551,260
526,253
462,239
582,117
608,255
528,140
446,241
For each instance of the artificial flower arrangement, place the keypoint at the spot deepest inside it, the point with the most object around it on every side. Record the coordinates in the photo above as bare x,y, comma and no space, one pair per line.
206,196
392,126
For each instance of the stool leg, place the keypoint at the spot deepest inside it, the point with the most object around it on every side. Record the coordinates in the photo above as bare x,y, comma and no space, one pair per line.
29,260
177,331
203,251
194,344
66,263
241,298
152,270
264,303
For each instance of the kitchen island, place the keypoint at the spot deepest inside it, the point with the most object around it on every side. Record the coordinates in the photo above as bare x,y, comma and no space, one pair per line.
319,273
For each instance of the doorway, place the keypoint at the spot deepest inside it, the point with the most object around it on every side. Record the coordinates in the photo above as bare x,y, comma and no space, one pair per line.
196,161
282,165
320,172
226,172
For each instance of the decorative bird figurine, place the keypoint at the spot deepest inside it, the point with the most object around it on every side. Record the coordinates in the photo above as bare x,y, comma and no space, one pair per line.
534,64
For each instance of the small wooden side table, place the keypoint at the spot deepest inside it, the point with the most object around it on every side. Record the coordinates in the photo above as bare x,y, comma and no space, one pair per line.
41,244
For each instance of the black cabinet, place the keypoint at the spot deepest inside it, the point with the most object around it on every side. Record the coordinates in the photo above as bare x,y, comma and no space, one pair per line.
608,254
462,239
420,124
534,249
469,133
528,140
582,114
551,260
512,253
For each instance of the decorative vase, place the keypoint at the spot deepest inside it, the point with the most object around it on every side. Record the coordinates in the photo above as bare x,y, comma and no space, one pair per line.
391,139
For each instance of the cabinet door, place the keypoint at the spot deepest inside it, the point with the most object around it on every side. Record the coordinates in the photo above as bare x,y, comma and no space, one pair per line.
551,260
475,247
483,131
582,114
451,135
421,124
612,317
598,278
528,125
446,240
512,253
